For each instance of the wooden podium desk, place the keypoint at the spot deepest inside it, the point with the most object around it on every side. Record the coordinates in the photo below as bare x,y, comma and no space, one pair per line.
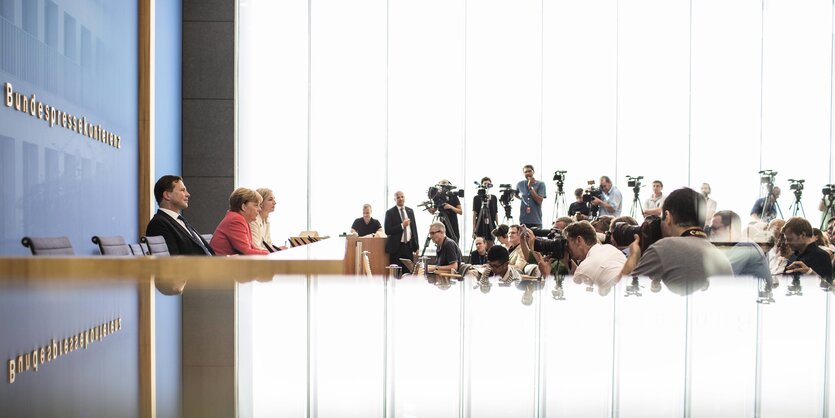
377,256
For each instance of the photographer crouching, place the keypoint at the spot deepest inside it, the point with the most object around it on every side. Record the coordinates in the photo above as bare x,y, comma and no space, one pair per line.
684,258
592,263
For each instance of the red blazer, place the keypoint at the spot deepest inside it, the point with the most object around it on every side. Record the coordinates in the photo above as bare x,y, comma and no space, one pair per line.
233,236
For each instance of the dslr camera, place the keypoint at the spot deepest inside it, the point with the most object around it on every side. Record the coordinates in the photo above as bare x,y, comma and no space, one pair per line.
553,246
622,233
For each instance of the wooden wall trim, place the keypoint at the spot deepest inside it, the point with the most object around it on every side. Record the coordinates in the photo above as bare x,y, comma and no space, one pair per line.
145,152
146,113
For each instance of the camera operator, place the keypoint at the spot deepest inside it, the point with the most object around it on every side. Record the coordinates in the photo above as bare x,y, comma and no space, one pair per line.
652,206
747,258
611,201
531,194
684,258
826,205
578,206
449,255
450,204
489,218
597,264
770,207
808,257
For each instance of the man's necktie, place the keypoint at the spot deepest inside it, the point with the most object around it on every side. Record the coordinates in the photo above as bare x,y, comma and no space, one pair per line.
194,234
406,230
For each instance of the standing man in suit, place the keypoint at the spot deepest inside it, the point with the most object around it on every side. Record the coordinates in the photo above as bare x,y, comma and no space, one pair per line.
401,230
180,236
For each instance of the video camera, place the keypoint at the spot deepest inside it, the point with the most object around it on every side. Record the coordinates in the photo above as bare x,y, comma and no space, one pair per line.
797,186
482,190
440,194
828,189
591,192
633,181
622,233
767,177
508,193
559,177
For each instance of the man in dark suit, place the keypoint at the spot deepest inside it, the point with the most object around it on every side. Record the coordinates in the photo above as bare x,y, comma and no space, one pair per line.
401,230
180,236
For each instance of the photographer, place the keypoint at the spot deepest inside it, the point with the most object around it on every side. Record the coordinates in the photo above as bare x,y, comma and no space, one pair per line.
490,216
826,206
578,206
611,201
597,264
766,205
652,206
448,202
684,258
531,194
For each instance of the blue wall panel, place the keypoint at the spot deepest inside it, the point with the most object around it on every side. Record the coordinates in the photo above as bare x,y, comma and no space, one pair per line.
83,62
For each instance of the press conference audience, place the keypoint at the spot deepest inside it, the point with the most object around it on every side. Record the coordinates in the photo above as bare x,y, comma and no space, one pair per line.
501,233
451,206
652,205
180,236
366,226
747,258
401,231
780,252
531,193
612,200
711,204
261,225
449,255
596,264
765,208
489,217
578,205
233,236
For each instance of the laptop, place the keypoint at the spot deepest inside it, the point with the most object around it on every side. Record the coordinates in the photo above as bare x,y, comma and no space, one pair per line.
410,265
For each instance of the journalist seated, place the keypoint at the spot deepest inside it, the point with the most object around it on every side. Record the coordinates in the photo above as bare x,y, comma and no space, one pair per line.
479,255
683,258
233,235
449,255
498,264
807,257
593,263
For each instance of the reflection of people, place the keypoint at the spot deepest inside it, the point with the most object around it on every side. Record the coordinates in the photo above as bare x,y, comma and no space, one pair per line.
489,217
233,236
808,257
531,194
180,237
451,206
766,205
367,226
684,259
747,258
449,255
711,204
401,231
612,201
261,225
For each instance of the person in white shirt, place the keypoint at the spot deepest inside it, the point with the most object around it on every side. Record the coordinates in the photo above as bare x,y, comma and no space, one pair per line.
652,206
710,203
261,225
594,263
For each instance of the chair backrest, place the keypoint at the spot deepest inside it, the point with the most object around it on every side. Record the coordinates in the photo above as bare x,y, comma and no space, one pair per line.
156,245
114,245
207,237
48,245
138,249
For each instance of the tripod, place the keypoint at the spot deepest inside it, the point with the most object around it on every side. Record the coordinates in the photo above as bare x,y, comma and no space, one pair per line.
484,222
559,202
828,212
440,216
797,204
508,214
636,202
769,202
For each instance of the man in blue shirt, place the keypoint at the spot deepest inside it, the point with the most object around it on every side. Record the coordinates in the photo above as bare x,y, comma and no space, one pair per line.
531,193
611,202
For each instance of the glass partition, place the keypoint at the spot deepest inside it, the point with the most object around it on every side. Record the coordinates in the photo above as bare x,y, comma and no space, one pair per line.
417,346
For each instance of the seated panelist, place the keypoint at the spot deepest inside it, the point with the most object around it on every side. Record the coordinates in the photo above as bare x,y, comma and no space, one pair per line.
261,225
367,226
233,235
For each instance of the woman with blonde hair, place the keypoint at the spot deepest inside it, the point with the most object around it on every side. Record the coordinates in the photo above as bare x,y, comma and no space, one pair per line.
261,225
233,235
